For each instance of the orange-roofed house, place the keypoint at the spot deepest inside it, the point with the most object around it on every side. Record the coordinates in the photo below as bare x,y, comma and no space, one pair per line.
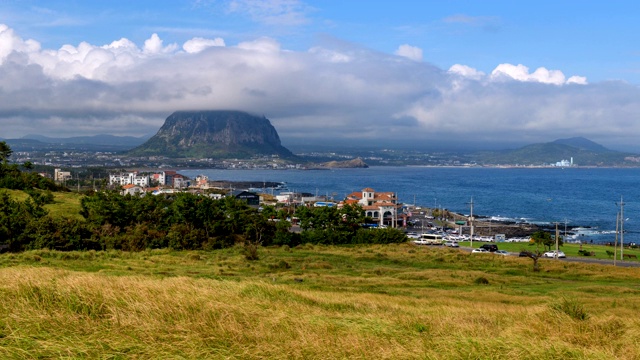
380,206
131,189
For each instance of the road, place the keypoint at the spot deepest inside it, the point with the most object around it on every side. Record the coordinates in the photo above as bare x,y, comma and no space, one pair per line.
620,263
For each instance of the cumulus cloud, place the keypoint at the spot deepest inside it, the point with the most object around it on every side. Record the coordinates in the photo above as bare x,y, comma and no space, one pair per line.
509,72
466,71
521,73
327,92
410,52
581,80
153,45
198,44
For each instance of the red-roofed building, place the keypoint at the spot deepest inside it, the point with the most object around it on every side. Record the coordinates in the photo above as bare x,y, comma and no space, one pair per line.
131,189
380,206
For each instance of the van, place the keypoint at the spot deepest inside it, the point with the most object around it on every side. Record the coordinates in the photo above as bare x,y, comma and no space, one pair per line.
489,247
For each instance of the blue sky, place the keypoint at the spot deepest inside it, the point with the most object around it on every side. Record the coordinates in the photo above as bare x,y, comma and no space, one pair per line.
486,70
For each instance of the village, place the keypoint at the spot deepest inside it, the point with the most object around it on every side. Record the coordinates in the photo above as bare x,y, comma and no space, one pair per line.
382,208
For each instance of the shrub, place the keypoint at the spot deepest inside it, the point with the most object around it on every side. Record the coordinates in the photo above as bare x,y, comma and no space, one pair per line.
481,281
280,265
250,251
571,307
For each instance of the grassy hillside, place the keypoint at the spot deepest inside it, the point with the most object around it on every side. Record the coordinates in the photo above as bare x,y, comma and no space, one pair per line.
65,204
369,302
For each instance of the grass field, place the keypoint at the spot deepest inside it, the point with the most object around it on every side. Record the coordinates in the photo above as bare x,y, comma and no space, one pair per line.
65,204
314,302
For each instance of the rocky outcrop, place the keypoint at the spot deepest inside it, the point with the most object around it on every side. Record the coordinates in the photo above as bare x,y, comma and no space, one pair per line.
214,134
347,164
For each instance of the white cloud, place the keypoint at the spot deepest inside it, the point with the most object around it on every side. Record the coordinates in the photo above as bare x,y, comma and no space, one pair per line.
466,71
198,44
410,52
153,45
336,91
264,44
521,73
581,80
10,42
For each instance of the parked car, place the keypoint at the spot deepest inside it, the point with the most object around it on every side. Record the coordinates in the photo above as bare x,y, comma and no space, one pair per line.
479,250
523,254
553,254
451,244
413,235
501,252
489,247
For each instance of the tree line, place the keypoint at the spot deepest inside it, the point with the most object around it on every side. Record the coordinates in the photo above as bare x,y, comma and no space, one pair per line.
181,221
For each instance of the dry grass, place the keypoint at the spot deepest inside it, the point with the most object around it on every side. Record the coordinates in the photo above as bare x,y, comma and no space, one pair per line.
375,302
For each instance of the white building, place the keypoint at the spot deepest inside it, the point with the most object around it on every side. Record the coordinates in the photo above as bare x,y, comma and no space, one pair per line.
565,163
129,178
380,206
59,175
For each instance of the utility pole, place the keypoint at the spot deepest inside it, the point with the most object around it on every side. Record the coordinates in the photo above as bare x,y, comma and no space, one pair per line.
557,240
621,227
615,244
471,223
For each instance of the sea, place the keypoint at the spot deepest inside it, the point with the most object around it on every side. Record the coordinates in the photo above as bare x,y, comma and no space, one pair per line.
585,201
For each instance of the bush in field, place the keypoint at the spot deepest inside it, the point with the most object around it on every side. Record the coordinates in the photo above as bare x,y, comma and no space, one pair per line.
326,237
571,307
142,236
379,236
64,234
185,237
15,217
40,197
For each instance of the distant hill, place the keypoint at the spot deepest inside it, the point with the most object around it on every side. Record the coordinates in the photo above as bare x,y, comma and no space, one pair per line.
214,134
583,144
583,151
102,139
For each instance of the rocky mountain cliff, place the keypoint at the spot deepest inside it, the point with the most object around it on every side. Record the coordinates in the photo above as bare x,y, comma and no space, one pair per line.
214,134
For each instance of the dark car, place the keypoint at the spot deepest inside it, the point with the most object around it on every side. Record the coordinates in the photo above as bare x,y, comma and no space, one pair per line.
489,247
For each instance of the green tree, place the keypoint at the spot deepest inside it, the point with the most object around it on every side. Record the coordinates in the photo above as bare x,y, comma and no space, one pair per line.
545,239
15,218
5,152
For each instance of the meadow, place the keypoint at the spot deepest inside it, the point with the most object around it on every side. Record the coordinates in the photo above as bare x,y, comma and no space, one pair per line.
397,301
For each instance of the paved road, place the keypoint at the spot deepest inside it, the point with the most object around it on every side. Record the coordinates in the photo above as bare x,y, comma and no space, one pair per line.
620,263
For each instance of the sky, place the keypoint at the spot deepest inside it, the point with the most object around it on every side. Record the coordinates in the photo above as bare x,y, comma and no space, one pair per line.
490,73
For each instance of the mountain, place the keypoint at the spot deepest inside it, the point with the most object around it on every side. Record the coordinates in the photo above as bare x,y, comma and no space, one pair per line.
584,152
102,139
214,134
582,144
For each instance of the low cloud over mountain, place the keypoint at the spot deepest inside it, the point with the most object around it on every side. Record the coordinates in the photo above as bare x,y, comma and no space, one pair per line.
332,90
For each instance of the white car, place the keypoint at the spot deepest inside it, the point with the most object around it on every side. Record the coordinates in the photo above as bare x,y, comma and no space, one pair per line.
413,235
552,254
501,252
451,244
479,250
